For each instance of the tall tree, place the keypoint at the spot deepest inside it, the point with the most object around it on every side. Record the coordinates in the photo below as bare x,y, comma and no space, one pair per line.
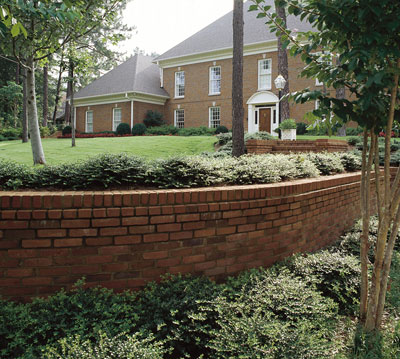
237,80
45,94
283,66
369,68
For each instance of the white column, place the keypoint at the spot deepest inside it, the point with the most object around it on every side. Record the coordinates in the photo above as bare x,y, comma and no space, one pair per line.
250,116
131,113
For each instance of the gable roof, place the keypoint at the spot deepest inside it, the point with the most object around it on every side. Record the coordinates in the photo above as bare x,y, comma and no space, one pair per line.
219,34
137,74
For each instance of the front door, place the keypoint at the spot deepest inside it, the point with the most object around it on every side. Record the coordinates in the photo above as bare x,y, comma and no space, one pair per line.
265,119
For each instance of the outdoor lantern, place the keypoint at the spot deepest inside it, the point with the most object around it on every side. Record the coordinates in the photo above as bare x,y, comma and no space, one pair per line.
280,82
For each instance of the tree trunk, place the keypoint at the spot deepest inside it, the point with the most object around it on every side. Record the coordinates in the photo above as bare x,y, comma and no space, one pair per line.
60,71
341,94
34,131
45,95
237,81
17,74
73,123
283,67
67,118
25,109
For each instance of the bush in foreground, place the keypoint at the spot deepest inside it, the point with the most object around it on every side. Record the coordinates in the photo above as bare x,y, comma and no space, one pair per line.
139,129
123,129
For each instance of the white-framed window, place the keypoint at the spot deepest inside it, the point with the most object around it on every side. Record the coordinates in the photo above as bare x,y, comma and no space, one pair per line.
264,74
117,118
215,80
179,118
214,117
180,84
89,121
325,57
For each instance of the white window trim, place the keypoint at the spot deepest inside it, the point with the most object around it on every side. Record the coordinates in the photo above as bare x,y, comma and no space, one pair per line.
175,117
210,93
176,87
86,123
269,85
114,128
209,115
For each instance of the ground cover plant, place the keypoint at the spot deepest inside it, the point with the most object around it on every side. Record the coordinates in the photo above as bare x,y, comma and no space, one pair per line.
300,308
113,170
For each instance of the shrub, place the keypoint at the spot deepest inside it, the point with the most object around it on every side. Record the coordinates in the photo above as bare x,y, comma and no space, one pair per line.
301,128
353,141
14,175
44,132
221,129
162,130
11,132
123,129
335,274
67,130
351,131
274,316
176,317
139,129
350,161
120,346
153,119
288,124
262,135
224,138
327,163
196,131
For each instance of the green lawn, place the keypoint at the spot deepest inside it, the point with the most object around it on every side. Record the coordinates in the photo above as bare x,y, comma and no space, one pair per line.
307,137
60,150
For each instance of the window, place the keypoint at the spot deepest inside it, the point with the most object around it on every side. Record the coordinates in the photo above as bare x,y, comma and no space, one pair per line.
89,121
179,118
214,117
264,74
180,84
215,80
324,57
117,115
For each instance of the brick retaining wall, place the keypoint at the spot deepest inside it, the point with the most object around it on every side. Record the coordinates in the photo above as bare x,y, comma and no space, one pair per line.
123,239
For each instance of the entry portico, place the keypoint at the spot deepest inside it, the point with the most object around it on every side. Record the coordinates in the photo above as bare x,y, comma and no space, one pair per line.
263,112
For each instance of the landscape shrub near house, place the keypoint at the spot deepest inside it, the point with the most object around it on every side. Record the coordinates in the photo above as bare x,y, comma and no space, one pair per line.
289,311
113,170
153,119
123,129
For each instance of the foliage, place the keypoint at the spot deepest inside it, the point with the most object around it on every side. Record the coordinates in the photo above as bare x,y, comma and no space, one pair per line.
139,129
162,130
221,129
118,347
10,104
67,130
350,161
274,316
288,124
197,131
327,163
11,133
353,141
153,119
351,131
176,316
335,274
123,129
225,139
301,128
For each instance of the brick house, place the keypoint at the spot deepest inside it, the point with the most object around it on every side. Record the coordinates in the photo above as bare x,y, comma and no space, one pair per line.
191,84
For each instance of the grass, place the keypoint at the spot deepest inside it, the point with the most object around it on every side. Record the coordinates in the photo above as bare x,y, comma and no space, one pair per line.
151,147
309,137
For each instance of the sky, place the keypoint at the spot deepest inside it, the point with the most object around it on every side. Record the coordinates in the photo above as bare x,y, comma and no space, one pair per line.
162,24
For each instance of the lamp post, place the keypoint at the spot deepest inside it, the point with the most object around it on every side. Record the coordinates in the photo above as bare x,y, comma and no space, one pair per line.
280,83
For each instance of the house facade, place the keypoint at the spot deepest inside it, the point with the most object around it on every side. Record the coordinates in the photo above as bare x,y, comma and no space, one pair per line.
191,84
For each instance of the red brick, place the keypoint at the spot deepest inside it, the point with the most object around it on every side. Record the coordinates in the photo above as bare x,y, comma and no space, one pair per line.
86,269
247,228
19,234
99,259
9,244
70,213
170,262
22,253
142,211
99,213
105,222
38,262
194,259
127,211
7,282
20,272
183,269
142,229
177,236
192,217
111,250
204,232
75,223
155,255
162,219
85,213
113,212
32,243
51,233
132,221
8,214
118,231
96,241
114,267
155,237
226,230
194,225
13,224
69,242
170,227
203,266
132,239
53,271
54,213
84,232
39,214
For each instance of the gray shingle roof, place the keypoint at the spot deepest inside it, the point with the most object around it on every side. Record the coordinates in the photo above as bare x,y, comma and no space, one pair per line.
137,74
219,34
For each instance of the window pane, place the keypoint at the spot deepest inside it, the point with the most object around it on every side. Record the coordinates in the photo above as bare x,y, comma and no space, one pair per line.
180,118
215,117
264,74
215,80
117,118
89,121
179,84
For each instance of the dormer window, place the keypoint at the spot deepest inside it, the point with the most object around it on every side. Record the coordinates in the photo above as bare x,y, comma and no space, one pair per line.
180,84
215,80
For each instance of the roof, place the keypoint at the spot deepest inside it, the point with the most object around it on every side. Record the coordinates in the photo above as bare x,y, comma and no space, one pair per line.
219,34
137,74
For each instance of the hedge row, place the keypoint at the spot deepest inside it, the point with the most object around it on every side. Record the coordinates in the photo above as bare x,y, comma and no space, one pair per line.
110,170
291,311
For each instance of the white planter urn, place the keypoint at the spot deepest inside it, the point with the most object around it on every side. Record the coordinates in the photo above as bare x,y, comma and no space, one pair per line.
289,134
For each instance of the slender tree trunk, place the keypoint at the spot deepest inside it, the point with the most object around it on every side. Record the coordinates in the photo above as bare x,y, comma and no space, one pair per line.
17,74
283,66
237,80
25,109
60,71
341,94
71,80
45,94
34,131
67,105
